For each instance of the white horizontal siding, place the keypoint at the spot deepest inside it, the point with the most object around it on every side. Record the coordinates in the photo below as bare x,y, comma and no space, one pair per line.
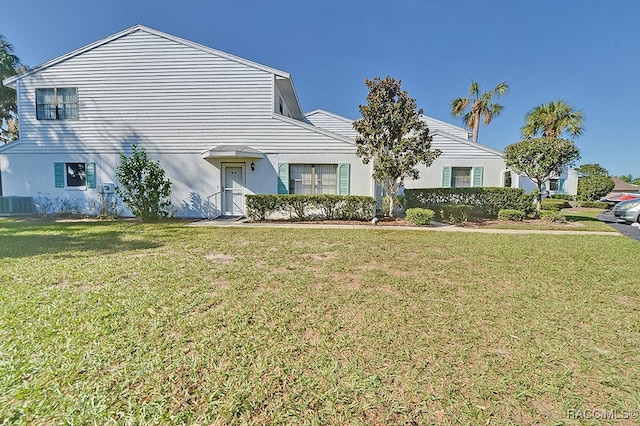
148,89
344,126
340,125
438,125
456,149
170,97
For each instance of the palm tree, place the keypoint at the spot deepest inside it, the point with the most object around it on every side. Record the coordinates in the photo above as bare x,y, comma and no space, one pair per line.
552,120
482,106
9,66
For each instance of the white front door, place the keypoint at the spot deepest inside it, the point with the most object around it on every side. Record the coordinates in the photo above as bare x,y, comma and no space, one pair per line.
233,192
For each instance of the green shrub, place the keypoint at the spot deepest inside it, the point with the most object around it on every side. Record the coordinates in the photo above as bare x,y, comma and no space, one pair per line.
297,205
512,215
331,207
486,202
357,207
420,216
259,206
594,187
552,216
144,187
554,204
593,204
454,213
567,197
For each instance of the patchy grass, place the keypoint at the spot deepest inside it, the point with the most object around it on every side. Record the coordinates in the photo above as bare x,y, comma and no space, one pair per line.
116,322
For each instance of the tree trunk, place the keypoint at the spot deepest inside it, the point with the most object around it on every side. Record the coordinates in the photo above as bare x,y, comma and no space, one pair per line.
475,109
548,191
389,192
539,200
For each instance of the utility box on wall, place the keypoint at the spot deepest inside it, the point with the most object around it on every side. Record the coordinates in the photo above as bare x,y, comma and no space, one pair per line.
108,188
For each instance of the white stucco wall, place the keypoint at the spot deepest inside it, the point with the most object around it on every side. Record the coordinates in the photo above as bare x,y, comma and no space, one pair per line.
196,182
570,186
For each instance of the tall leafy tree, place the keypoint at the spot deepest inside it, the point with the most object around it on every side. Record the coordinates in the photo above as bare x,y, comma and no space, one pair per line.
480,106
630,179
392,135
553,120
592,170
594,183
9,66
541,158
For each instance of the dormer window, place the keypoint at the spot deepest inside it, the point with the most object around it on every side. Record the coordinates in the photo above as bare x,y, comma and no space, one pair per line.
57,104
281,105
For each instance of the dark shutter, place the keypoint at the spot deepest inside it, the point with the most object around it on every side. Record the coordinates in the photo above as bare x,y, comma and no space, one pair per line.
59,169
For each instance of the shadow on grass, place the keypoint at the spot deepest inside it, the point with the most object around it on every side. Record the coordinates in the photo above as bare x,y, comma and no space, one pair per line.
31,238
580,218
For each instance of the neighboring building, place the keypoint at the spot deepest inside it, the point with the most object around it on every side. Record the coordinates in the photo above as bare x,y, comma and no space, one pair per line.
622,187
462,163
221,126
566,183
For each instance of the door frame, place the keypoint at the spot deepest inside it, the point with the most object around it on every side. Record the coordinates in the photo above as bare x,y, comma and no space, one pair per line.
224,210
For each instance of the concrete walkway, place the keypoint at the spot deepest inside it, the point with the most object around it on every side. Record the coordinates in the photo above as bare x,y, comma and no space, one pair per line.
244,223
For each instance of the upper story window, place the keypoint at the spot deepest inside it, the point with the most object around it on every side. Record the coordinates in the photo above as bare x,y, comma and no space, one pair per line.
57,104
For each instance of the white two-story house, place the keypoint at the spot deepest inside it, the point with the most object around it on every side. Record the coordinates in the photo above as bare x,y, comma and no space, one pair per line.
221,126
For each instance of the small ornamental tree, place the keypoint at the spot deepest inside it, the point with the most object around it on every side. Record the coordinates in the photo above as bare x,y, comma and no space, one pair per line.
392,135
541,158
593,188
144,188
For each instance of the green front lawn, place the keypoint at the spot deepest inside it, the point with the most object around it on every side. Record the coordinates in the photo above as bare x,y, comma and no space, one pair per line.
116,322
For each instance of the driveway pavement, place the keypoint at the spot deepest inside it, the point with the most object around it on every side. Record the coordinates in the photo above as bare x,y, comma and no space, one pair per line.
623,228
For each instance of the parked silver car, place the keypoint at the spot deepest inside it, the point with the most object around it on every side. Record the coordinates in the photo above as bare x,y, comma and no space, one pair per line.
628,211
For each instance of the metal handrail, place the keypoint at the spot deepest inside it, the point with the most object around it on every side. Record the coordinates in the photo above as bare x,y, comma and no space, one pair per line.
209,210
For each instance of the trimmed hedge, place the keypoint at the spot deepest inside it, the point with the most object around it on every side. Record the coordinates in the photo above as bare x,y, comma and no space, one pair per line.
300,206
420,216
556,204
567,197
593,204
259,206
512,215
485,202
453,213
552,216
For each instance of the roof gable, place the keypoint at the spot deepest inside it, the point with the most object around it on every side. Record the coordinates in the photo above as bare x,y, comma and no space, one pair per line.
467,142
329,114
441,128
11,80
435,125
621,185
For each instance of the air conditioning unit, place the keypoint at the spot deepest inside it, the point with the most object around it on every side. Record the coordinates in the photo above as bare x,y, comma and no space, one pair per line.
14,205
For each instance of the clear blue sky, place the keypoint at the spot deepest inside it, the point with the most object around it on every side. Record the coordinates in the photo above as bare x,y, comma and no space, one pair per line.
586,52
